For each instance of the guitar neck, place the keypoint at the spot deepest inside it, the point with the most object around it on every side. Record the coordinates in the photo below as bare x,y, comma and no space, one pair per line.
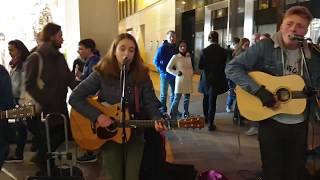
147,123
298,95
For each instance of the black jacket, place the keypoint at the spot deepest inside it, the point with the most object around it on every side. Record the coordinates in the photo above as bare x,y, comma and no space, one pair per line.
56,76
213,61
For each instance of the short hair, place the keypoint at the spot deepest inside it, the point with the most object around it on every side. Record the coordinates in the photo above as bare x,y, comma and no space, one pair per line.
236,40
171,32
267,35
49,30
88,43
299,11
213,36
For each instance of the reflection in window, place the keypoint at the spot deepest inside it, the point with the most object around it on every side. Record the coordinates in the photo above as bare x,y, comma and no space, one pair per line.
263,4
221,13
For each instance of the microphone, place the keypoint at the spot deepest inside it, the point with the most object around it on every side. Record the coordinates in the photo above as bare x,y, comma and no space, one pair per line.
125,61
297,37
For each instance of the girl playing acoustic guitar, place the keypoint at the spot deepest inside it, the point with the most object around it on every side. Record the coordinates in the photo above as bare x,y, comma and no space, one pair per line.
142,104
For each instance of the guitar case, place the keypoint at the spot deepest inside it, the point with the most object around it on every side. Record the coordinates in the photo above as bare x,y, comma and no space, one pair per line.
154,165
62,171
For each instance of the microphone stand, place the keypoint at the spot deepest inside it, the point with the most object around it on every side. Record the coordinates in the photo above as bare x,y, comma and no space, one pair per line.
309,83
123,82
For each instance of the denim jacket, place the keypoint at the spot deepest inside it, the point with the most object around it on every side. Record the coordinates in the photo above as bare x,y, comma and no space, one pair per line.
266,56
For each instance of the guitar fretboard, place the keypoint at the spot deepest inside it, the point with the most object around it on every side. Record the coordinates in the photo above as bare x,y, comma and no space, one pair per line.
298,95
147,123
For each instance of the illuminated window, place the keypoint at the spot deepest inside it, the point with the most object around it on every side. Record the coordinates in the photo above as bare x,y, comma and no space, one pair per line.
221,13
263,4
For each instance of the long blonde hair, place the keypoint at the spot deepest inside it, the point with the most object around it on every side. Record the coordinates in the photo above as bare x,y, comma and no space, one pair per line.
108,65
239,49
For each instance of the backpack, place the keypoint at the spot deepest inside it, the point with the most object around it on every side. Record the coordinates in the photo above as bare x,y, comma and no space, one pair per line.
25,97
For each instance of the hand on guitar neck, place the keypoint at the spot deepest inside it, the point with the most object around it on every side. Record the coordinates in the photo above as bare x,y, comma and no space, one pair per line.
105,121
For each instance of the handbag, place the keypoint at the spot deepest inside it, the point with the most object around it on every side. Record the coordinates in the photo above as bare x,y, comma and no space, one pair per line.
25,97
212,175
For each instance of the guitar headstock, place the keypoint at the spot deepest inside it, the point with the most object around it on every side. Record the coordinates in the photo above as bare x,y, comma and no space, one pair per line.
191,122
21,112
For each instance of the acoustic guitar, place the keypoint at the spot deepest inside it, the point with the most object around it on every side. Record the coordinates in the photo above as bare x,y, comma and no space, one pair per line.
89,137
18,112
288,90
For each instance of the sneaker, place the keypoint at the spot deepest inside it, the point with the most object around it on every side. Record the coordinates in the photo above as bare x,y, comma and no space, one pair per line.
186,115
87,158
228,109
165,116
14,159
252,131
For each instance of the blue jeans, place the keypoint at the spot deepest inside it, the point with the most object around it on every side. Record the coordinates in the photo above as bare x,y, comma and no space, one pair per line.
231,94
164,85
175,105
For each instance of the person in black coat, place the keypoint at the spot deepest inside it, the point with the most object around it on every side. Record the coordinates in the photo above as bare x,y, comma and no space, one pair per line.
6,102
213,81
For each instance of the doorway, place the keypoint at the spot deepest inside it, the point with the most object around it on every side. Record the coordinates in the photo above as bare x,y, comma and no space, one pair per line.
188,30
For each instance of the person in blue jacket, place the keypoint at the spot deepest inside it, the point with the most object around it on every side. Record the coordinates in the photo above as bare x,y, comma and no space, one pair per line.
161,60
86,50
6,102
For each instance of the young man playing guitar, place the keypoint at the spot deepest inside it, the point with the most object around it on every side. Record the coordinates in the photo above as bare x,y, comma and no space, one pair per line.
283,136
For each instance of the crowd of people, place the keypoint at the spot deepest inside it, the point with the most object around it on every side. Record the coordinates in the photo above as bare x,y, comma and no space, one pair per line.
282,137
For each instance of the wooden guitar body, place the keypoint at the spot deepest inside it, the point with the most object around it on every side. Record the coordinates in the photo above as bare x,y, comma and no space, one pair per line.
91,137
288,91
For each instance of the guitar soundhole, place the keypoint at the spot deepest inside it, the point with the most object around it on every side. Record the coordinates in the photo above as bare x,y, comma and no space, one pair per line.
283,94
105,133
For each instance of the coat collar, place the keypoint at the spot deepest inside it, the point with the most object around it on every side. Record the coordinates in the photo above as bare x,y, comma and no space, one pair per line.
278,43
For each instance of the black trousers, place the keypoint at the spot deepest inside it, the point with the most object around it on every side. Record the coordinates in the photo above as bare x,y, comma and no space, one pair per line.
209,105
21,132
4,144
283,150
56,135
